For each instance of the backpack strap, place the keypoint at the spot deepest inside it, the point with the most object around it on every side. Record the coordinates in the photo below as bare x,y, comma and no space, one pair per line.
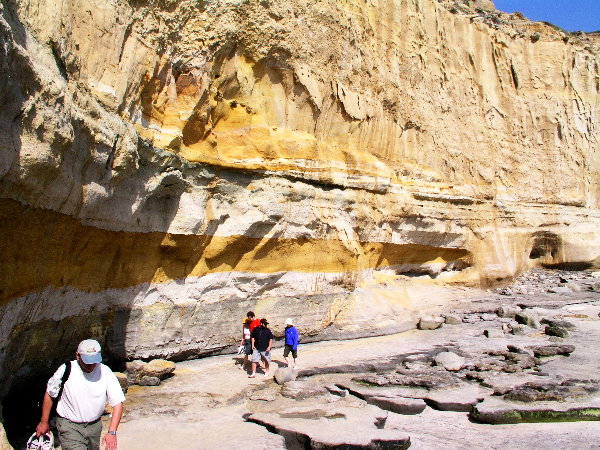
63,380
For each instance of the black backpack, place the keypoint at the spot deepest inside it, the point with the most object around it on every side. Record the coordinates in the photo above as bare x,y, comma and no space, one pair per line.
63,380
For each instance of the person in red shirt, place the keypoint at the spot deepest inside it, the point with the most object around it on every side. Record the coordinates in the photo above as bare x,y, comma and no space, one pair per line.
254,322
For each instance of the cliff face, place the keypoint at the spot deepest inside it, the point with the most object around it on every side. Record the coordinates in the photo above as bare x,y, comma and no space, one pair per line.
167,165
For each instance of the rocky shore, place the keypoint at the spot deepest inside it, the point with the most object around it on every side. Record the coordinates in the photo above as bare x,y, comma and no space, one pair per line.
496,373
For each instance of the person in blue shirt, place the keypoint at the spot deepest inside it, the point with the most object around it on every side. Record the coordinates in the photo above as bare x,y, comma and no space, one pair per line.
291,342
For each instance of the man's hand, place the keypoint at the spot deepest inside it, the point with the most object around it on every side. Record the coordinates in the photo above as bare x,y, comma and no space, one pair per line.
41,429
110,441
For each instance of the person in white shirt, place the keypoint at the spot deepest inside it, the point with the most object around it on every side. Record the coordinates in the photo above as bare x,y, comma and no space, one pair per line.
89,386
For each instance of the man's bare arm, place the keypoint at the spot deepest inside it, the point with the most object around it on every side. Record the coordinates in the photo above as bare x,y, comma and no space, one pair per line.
110,440
43,426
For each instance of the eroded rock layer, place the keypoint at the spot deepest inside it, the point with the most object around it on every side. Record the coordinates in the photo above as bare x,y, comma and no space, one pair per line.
166,166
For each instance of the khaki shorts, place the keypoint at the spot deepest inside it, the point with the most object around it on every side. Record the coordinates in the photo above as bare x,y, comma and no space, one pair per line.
78,436
256,355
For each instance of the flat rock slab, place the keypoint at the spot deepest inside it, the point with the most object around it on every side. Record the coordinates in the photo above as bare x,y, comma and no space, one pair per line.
330,427
497,411
501,382
551,390
389,399
300,390
429,379
461,398
551,349
399,405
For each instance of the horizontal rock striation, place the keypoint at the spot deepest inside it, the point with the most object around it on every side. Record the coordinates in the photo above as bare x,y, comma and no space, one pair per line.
166,166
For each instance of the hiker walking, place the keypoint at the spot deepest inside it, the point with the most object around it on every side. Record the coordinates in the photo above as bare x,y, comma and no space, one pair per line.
245,342
291,342
87,385
262,340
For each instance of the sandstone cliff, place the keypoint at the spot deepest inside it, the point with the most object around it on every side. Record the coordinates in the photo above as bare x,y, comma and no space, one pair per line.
167,165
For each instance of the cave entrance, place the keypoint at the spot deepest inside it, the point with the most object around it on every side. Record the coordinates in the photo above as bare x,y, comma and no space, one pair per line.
21,409
546,247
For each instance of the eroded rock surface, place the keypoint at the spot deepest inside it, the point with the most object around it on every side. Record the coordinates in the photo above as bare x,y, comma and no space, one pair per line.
168,165
179,162
332,427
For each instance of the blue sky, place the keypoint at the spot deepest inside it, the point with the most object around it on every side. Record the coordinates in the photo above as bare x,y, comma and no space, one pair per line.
571,15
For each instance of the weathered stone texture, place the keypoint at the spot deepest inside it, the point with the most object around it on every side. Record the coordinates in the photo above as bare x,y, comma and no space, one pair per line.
168,165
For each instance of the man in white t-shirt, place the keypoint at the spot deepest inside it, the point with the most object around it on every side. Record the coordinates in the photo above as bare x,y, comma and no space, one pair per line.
89,386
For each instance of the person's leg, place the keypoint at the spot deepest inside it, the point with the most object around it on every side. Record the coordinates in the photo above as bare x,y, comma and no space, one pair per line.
70,435
93,432
267,356
286,352
255,360
295,356
247,354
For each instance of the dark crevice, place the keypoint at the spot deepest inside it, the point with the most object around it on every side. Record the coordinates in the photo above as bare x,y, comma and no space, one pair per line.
62,68
515,77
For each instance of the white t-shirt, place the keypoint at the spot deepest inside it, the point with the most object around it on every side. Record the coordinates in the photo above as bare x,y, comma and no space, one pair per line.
85,394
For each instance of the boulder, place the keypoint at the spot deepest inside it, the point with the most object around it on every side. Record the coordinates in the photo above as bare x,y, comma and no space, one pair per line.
558,323
508,311
527,318
493,333
452,319
449,361
122,378
553,330
523,360
430,322
519,349
149,381
520,330
134,370
159,368
285,374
